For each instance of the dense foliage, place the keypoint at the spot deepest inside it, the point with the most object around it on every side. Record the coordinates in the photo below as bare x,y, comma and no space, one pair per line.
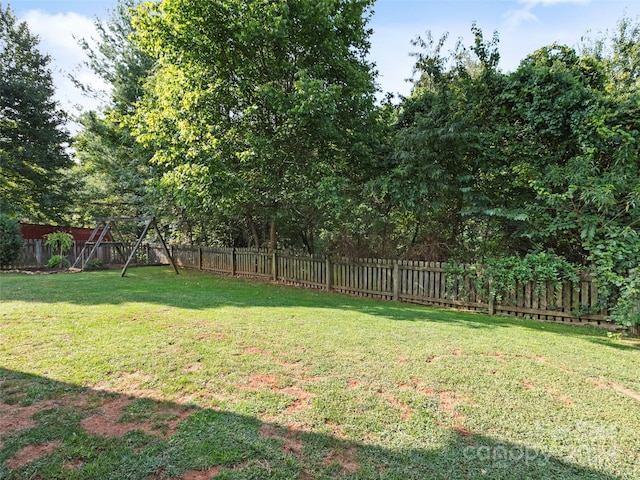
260,112
543,159
114,167
254,123
10,240
34,165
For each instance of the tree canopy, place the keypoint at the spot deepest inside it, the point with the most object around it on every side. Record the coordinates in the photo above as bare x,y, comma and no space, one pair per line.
545,158
255,124
34,163
259,111
113,166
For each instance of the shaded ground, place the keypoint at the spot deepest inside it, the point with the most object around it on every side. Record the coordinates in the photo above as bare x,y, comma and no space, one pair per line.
86,433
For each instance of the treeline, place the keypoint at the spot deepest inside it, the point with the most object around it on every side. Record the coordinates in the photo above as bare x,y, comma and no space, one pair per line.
256,124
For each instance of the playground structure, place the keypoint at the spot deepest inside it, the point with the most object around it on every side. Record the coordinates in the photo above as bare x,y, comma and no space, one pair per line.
109,224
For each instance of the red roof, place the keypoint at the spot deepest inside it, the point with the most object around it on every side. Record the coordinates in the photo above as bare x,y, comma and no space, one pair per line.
38,232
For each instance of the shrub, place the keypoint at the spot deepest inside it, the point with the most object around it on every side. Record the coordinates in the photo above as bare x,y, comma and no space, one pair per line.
10,241
499,276
58,261
94,264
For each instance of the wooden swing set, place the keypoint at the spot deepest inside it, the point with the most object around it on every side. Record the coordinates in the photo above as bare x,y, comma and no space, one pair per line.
109,224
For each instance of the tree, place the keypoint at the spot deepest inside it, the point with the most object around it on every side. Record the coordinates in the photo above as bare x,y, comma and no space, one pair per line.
618,53
258,110
114,167
10,240
34,183
62,241
450,177
545,159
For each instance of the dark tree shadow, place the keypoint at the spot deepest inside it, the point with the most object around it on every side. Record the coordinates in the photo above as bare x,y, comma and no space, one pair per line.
53,430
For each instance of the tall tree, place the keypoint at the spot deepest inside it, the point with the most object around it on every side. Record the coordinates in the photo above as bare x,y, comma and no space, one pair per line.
450,174
34,180
115,168
546,156
258,108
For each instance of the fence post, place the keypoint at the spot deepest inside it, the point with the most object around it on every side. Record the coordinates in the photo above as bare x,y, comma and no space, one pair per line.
38,253
396,281
233,261
199,258
328,273
491,299
274,266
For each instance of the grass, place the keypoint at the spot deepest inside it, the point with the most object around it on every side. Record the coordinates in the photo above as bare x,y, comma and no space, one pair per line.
158,376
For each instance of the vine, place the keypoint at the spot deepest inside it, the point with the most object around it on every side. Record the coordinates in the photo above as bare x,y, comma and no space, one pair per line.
499,277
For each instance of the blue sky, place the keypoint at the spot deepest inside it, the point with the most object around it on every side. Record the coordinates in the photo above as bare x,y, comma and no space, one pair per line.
522,25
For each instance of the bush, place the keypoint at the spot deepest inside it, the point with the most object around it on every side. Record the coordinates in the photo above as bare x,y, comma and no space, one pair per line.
94,264
58,261
10,241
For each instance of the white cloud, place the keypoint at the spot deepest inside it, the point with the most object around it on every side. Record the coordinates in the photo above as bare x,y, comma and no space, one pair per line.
57,34
514,18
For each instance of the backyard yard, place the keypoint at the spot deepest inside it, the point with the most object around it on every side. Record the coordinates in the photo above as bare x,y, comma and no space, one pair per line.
194,376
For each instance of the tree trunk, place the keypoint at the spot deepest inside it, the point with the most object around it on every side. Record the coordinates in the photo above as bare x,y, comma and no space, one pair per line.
254,233
272,236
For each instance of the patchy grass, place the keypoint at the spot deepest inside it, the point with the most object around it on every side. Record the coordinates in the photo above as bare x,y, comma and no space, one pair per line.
158,376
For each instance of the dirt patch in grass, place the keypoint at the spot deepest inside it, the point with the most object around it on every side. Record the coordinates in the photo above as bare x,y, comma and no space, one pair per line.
108,421
558,396
302,399
132,385
32,452
550,390
497,354
345,457
336,430
527,384
211,336
194,367
290,439
258,351
14,418
449,401
199,475
353,383
405,411
618,388
270,382
260,382
74,465
314,379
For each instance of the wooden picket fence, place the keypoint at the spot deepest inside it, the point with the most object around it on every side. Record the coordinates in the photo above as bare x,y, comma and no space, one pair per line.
417,282
406,281
35,254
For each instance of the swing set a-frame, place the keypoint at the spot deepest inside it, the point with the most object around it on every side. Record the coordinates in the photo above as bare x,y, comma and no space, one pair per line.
100,237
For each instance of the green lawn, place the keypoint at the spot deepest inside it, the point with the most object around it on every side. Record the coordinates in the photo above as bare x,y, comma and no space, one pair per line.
157,376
